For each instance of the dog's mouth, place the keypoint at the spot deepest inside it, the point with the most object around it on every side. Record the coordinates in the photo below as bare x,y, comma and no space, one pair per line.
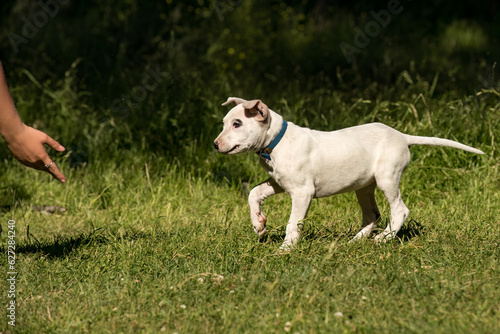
233,149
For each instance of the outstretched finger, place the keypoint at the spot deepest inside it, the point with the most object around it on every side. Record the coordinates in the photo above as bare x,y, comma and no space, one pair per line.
54,144
52,168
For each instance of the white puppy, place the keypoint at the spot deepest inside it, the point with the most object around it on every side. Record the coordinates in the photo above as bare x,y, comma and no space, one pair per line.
308,163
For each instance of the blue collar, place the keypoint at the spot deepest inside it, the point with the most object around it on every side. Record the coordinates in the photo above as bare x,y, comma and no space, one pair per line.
265,153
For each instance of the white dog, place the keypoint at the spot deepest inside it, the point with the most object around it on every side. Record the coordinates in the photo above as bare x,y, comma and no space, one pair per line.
308,163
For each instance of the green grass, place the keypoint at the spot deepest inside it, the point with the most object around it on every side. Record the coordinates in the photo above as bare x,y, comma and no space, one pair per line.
154,244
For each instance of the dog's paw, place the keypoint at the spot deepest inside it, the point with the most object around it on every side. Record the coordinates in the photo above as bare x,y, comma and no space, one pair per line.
364,233
384,237
358,237
355,239
289,244
285,248
261,232
261,228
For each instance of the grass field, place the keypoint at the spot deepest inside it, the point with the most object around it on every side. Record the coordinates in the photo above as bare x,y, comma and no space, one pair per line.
153,244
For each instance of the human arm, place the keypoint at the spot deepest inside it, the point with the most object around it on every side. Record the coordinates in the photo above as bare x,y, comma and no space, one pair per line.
25,142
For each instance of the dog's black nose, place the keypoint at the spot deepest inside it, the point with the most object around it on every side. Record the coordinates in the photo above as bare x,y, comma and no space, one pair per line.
216,145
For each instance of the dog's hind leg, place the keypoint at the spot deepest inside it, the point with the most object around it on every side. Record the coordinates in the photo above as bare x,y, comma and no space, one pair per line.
387,177
366,199
399,213
256,198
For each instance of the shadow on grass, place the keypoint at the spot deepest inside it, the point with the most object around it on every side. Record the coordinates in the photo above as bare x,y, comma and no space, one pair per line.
409,231
272,238
310,232
61,246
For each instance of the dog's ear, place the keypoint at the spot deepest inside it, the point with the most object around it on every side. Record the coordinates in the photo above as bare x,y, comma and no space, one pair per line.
257,109
234,100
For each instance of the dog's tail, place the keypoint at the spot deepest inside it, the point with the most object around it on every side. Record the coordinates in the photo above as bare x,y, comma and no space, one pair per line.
417,140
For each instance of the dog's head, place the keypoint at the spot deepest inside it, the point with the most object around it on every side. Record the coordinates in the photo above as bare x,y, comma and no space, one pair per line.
245,127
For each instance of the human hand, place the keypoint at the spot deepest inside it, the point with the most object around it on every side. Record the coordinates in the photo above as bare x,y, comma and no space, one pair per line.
27,147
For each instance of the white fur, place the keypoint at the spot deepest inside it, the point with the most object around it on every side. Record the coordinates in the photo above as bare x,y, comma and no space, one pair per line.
308,163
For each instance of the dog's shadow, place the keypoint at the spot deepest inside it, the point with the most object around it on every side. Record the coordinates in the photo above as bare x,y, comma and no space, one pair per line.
409,231
61,247
309,233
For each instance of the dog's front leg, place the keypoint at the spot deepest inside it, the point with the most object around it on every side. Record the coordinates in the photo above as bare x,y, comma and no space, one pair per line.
256,198
300,205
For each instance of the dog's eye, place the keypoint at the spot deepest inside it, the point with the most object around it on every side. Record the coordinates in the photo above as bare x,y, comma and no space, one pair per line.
237,124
